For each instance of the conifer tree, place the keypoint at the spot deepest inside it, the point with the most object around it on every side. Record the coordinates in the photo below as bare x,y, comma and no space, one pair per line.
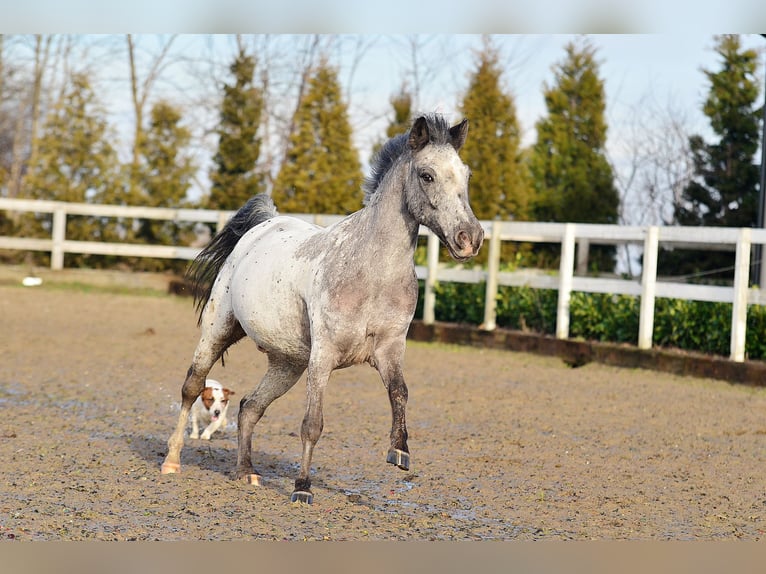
235,178
724,191
77,152
572,178
321,172
77,163
165,172
500,184
401,105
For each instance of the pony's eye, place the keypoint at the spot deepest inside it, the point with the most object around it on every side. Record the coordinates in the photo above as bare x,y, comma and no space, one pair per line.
427,177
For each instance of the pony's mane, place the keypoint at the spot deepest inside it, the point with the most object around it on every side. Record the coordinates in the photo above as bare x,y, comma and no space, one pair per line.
394,148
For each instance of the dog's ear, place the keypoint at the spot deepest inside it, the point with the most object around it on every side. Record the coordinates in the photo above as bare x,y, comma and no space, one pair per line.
227,392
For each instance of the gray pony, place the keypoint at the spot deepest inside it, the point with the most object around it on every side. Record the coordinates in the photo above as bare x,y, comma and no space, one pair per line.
318,299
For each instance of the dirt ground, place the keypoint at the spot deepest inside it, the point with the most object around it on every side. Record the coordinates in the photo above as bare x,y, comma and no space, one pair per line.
505,446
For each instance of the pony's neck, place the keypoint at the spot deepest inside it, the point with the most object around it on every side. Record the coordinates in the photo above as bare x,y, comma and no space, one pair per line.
390,221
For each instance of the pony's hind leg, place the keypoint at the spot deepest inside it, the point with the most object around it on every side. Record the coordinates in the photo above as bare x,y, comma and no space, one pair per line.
192,387
280,377
217,336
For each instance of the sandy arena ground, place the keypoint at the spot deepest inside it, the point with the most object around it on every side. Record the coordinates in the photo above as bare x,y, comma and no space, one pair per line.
505,446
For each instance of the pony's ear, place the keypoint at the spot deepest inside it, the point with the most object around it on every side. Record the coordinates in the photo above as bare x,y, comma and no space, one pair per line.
458,133
418,134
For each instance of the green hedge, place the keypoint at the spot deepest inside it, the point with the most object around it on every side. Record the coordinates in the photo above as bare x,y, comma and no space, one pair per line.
689,325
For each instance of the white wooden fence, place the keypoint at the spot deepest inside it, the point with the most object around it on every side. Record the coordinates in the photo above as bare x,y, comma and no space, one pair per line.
565,281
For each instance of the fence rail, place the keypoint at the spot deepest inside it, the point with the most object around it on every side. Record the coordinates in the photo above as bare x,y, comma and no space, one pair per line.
568,235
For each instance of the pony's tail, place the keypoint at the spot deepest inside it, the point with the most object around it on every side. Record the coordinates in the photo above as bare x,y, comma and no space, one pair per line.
205,268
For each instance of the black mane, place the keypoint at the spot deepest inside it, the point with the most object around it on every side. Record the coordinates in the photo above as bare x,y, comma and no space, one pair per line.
394,148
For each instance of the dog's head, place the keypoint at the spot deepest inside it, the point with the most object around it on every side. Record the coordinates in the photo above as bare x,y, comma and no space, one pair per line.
215,398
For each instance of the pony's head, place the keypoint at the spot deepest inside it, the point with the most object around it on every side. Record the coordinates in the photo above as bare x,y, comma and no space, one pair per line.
437,185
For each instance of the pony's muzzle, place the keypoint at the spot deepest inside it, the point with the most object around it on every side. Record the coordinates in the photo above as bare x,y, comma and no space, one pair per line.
468,242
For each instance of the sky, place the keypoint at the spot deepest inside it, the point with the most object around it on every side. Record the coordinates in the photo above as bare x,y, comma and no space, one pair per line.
393,16
666,45
666,67
663,70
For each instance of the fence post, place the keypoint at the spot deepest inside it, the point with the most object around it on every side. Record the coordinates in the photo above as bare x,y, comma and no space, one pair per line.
565,281
583,248
58,235
648,288
739,304
432,263
493,266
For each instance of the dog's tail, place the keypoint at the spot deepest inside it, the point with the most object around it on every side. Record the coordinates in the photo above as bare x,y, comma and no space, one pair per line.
205,268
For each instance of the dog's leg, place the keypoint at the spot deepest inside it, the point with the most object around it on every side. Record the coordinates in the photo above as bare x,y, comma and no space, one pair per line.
211,428
195,427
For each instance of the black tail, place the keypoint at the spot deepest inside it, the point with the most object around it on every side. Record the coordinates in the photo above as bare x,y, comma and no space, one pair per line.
206,266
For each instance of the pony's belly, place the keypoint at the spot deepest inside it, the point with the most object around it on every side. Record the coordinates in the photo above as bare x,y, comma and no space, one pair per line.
283,343
277,327
274,318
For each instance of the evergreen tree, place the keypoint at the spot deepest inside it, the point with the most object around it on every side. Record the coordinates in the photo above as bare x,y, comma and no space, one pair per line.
76,163
321,172
500,184
572,178
235,178
401,104
165,175
724,191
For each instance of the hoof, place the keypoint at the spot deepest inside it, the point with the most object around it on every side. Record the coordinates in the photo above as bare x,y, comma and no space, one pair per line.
302,496
254,479
170,468
399,458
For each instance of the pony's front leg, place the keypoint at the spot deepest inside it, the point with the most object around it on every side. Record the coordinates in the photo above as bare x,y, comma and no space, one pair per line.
311,429
388,361
399,453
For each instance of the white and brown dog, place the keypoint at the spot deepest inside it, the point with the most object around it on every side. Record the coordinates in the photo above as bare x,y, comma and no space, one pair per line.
210,409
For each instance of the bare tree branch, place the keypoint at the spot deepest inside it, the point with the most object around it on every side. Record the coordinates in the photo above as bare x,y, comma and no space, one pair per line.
652,164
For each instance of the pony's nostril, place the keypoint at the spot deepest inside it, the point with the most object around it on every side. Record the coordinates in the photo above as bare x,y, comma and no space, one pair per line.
479,239
462,239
